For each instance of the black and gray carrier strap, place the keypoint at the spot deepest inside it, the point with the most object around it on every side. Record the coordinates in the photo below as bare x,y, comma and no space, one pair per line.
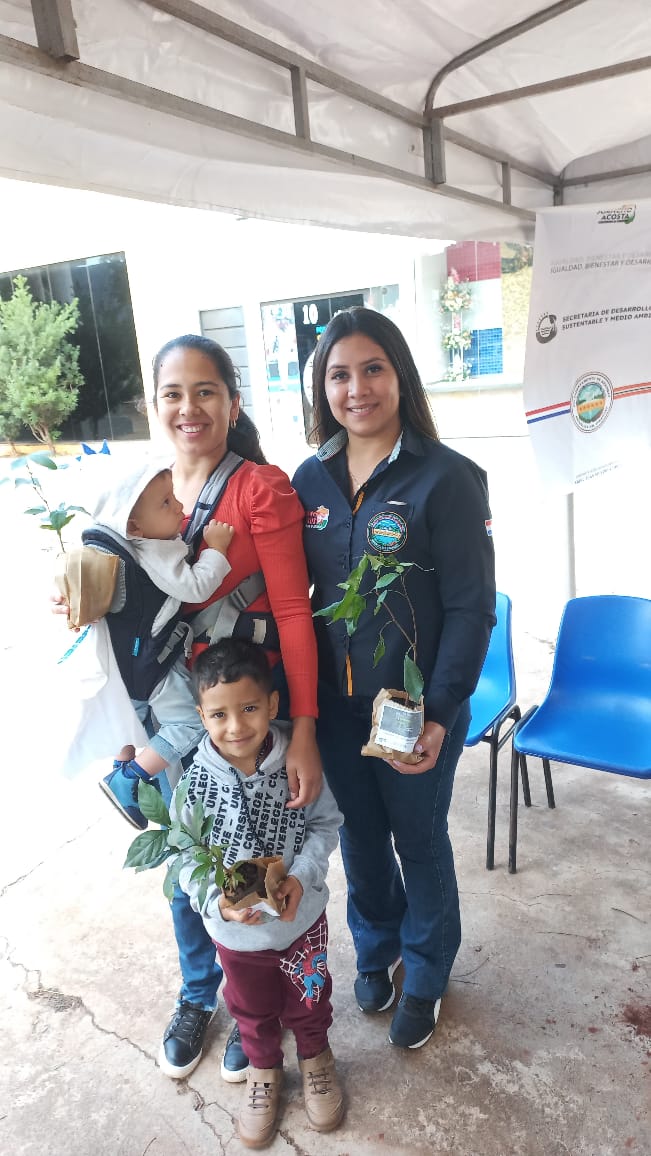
229,617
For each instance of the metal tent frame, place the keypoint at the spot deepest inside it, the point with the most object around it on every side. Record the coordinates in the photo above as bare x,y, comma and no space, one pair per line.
56,56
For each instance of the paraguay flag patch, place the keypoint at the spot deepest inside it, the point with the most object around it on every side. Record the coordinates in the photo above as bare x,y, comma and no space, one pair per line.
489,527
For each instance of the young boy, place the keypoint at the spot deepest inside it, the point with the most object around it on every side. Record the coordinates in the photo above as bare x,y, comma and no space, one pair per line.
276,967
137,516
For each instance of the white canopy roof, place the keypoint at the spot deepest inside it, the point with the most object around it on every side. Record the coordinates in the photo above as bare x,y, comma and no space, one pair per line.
330,113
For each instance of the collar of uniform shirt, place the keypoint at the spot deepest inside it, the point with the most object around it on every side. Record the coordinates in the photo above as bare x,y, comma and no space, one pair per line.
340,439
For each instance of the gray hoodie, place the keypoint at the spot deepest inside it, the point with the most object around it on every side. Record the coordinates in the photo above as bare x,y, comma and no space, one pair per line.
305,838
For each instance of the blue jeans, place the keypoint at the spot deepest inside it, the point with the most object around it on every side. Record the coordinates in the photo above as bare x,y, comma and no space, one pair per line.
200,971
413,913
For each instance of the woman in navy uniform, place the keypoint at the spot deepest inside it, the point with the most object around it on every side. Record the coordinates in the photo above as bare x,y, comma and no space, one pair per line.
382,482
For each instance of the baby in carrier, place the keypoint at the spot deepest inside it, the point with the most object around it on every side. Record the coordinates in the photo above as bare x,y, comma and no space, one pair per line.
137,517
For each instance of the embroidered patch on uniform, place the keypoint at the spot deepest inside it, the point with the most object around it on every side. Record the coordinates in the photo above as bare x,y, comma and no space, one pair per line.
317,519
387,532
489,527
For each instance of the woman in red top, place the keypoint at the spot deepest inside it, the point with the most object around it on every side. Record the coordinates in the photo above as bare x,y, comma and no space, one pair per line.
198,405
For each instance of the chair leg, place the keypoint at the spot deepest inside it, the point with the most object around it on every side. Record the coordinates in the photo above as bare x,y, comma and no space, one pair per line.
526,793
513,812
549,786
492,800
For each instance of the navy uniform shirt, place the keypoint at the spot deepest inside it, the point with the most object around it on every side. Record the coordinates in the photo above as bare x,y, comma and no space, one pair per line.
426,504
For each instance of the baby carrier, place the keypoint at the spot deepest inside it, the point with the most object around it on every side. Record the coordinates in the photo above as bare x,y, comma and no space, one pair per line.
144,660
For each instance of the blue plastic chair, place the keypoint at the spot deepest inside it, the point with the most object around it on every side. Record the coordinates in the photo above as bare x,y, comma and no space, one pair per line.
597,712
493,704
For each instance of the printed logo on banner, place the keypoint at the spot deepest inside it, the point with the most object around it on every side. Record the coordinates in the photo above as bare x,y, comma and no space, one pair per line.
546,328
622,216
317,519
591,401
387,532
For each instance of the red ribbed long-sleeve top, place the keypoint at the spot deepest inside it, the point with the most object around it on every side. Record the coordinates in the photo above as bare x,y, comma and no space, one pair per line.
261,505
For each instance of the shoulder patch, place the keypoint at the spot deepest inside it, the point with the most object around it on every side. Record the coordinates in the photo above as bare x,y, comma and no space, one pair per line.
317,519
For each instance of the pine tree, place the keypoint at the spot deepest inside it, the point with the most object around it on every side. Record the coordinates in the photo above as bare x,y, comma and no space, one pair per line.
39,366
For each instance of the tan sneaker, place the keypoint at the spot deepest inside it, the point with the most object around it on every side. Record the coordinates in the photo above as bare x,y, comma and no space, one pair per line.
257,1122
324,1101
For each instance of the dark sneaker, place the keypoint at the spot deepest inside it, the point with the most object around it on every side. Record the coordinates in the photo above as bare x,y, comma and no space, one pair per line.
121,787
414,1021
234,1062
374,990
182,1045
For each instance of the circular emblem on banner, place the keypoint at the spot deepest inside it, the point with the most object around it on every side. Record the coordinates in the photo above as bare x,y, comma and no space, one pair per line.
591,401
387,532
546,328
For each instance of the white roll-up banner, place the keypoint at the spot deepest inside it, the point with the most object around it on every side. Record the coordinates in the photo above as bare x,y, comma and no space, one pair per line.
587,381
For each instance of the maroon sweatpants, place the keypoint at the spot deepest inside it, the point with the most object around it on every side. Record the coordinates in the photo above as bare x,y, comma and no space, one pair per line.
267,991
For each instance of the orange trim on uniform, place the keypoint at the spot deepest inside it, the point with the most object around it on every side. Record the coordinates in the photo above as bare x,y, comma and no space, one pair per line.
360,499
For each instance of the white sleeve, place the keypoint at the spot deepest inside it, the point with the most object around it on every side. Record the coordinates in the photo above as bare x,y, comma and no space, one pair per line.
174,576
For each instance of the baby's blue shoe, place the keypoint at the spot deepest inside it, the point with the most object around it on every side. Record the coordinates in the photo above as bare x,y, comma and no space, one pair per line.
121,787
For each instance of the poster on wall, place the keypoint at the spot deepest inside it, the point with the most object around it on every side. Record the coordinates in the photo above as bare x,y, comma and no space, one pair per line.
587,387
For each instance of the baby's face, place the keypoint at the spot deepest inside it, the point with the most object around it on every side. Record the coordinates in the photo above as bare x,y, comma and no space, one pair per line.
157,513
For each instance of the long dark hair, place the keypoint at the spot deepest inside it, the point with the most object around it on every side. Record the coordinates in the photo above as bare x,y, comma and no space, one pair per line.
244,439
414,406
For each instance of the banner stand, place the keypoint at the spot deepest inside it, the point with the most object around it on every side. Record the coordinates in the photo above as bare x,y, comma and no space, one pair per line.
571,547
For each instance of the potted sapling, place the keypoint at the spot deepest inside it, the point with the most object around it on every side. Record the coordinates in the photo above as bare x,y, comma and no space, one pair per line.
186,834
398,714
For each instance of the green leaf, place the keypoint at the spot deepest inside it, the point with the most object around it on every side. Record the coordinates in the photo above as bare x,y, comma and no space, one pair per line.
36,510
22,482
327,611
206,828
379,651
181,796
149,849
203,857
203,891
179,837
58,519
350,608
193,820
356,575
386,579
79,510
42,459
414,681
151,804
171,878
380,601
201,870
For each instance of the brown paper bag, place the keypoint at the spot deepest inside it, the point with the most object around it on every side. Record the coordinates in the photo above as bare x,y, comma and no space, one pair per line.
86,578
259,892
414,721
